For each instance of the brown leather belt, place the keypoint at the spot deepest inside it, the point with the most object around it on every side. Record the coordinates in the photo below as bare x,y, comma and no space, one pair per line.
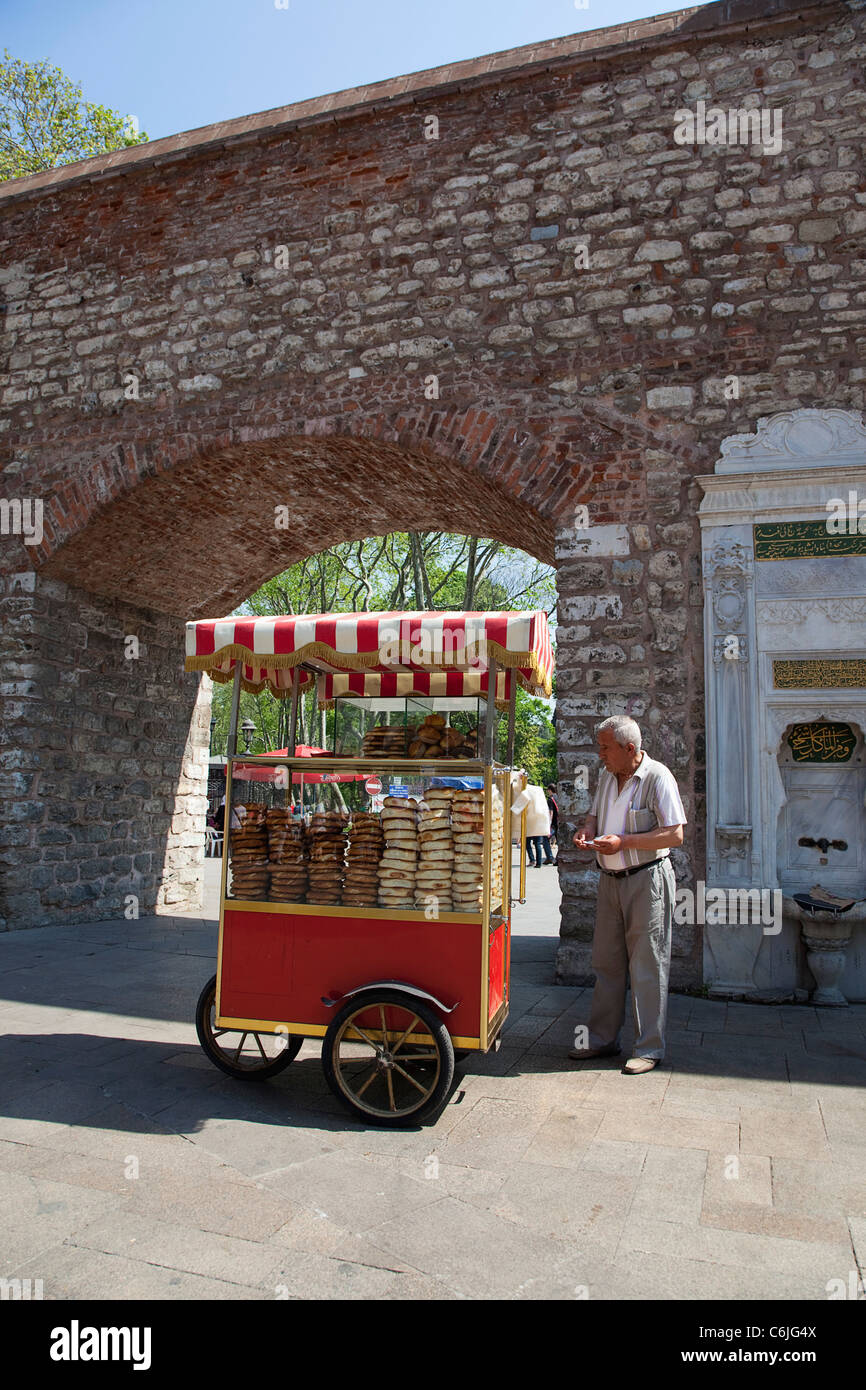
624,873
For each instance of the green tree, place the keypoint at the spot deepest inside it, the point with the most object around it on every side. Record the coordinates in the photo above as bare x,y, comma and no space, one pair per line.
534,739
428,570
45,121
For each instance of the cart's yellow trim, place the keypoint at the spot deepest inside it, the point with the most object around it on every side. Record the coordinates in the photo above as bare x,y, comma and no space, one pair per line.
266,1025
325,910
318,1030
224,875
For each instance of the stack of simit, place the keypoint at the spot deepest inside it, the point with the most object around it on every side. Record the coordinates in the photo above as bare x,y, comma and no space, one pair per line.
249,855
287,855
327,850
433,886
467,823
384,741
398,864
366,843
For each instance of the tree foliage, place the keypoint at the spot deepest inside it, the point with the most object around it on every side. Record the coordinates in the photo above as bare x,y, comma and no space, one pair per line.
45,121
400,571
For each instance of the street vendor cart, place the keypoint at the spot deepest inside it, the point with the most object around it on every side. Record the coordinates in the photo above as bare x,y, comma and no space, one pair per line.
366,892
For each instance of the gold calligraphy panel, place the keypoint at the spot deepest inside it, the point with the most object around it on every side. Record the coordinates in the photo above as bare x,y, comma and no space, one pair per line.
795,540
819,675
821,742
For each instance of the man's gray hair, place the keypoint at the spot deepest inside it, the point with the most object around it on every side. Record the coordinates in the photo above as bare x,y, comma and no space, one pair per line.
624,730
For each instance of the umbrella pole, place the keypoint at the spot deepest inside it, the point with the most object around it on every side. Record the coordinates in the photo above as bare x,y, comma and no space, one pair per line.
232,746
293,731
293,712
490,726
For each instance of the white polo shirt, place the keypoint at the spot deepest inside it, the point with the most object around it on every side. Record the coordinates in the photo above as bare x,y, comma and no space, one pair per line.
649,799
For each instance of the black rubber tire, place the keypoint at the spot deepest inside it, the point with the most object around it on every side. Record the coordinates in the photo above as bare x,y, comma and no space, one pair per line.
444,1054
218,1057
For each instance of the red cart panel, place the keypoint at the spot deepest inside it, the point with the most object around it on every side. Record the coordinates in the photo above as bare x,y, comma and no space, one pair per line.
276,966
496,968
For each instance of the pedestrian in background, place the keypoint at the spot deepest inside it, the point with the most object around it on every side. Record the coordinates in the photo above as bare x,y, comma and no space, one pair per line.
538,827
553,808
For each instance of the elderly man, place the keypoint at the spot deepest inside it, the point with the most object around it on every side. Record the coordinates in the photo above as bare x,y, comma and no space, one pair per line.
636,817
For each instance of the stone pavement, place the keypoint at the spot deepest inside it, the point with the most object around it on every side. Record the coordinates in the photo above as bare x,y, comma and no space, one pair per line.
130,1167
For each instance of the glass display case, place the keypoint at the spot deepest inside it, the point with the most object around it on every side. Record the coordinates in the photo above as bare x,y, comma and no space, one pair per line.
411,727
393,839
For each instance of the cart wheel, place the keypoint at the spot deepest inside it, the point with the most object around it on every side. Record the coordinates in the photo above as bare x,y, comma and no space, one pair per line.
373,1066
247,1056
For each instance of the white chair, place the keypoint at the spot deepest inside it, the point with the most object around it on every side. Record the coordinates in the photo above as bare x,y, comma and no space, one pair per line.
214,843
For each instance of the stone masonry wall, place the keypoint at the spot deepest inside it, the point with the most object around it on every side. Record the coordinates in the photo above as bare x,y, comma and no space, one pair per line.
103,769
723,283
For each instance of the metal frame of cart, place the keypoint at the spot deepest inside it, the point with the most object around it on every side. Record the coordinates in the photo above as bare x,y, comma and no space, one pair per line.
394,994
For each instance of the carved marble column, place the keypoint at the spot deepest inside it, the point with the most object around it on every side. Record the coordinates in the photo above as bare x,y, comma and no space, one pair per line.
730,698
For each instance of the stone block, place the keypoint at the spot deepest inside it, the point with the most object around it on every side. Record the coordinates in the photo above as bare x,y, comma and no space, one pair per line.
670,397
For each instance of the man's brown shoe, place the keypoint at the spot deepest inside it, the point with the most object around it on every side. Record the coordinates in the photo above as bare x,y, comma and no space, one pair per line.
585,1054
635,1065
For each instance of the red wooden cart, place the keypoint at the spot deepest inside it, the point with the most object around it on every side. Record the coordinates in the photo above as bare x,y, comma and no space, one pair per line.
396,993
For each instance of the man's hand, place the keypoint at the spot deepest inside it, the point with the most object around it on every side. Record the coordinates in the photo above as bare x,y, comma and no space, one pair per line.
608,844
586,833
583,838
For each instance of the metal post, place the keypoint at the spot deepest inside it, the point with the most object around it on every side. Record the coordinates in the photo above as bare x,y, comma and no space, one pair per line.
522,889
293,712
232,745
512,703
490,727
293,735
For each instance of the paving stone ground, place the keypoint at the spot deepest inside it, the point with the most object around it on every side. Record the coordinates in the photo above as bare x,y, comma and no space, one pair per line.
130,1167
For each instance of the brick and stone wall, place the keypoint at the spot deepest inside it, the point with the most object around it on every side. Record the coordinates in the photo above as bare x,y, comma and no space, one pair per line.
321,307
103,766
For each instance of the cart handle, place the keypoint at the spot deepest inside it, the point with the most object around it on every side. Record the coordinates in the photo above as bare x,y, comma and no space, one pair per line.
329,1000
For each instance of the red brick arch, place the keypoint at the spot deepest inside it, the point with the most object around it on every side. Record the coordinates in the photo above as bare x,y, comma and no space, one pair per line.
186,525
199,534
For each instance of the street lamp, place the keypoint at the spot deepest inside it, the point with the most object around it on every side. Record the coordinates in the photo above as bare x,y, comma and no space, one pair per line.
248,729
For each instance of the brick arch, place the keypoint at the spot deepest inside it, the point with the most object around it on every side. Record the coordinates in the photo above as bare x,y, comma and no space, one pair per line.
199,535
185,524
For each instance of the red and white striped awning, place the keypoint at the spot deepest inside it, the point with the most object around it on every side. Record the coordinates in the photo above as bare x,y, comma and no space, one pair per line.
272,649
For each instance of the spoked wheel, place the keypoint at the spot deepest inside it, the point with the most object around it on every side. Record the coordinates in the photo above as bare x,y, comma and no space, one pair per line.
388,1057
245,1055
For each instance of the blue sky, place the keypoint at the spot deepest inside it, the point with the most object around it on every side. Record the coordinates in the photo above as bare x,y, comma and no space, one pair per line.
179,64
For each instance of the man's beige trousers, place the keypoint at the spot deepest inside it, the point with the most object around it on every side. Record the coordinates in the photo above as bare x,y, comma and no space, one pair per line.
633,939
